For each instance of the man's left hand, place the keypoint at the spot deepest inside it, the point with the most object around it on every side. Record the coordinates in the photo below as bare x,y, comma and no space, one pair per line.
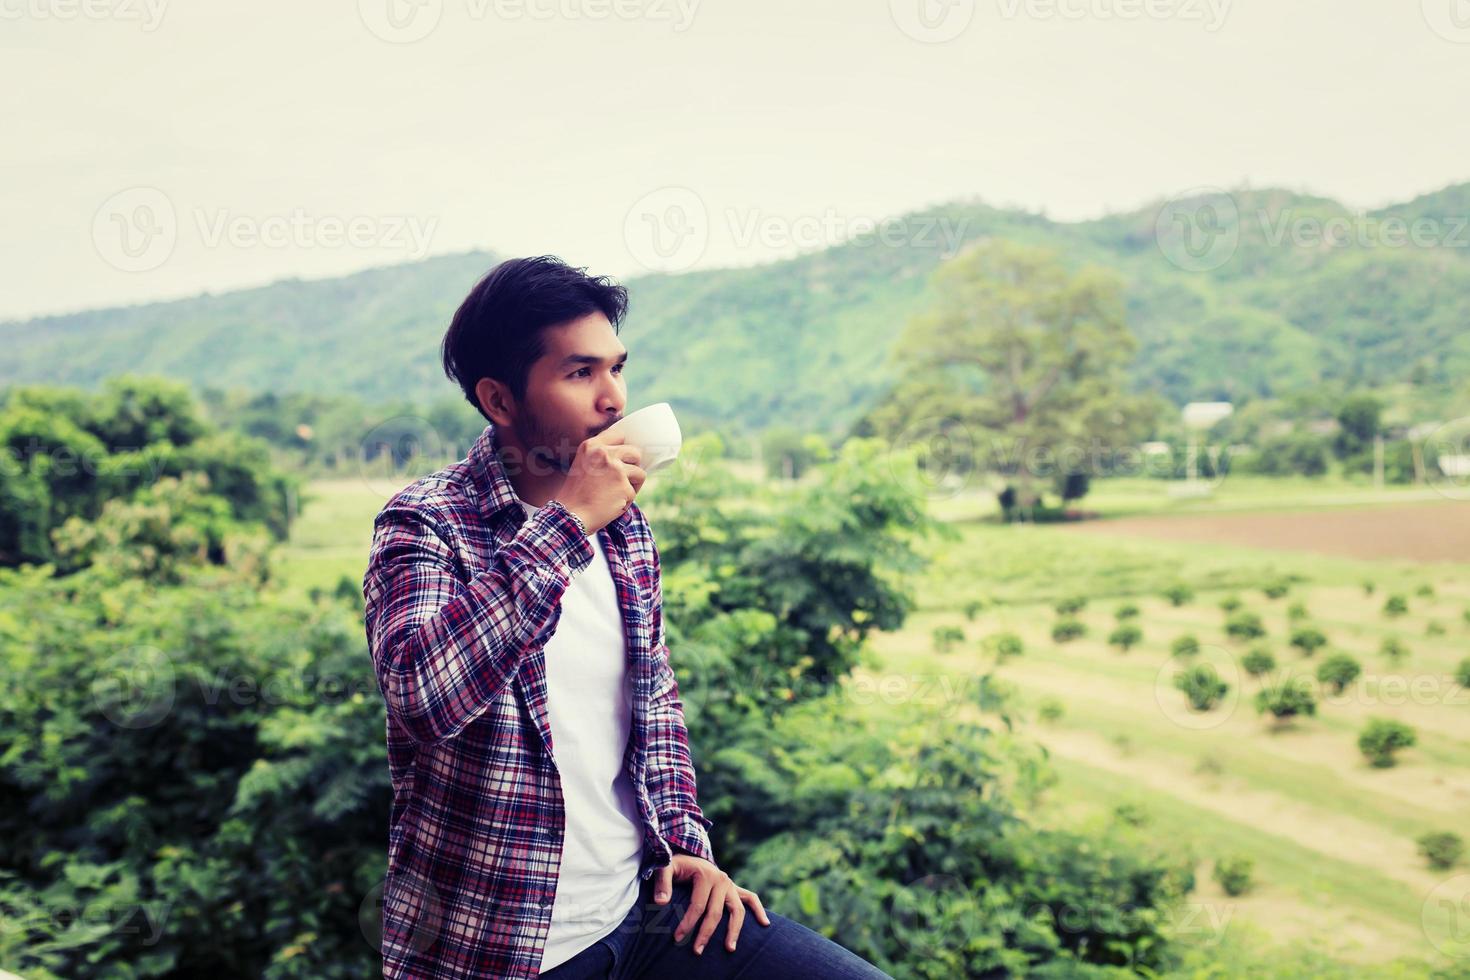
713,892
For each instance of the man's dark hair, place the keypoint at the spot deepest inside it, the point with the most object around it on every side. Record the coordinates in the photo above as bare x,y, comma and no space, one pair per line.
497,330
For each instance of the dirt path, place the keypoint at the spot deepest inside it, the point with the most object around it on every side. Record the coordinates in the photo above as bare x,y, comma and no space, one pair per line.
1438,531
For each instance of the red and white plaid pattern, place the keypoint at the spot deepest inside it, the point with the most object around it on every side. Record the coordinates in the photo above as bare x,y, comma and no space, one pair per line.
463,590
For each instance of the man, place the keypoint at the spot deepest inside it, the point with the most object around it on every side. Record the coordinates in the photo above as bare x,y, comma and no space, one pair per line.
544,817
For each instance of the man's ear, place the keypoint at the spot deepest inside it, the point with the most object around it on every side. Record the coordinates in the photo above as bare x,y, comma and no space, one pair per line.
496,401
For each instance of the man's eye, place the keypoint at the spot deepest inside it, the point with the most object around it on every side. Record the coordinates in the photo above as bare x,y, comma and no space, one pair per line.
618,368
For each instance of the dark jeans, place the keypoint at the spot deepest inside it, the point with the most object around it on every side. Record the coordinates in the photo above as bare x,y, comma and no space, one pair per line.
643,948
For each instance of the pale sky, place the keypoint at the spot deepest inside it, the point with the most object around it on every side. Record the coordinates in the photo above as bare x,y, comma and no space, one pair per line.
159,148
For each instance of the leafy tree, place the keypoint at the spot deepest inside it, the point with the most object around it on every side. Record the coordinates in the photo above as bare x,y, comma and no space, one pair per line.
1004,646
1338,671
1023,353
1395,605
1295,454
945,637
1234,874
1287,700
1186,645
1359,425
1202,685
1462,672
1382,738
1178,594
1308,639
1244,626
1126,636
1441,848
789,454
1068,628
1259,661
1070,606
1276,588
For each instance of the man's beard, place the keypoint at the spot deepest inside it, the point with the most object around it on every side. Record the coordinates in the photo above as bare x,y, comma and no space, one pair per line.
544,447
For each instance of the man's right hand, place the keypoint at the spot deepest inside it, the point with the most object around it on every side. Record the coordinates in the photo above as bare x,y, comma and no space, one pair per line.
603,480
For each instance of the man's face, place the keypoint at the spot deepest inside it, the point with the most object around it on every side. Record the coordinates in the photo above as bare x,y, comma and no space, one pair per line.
574,391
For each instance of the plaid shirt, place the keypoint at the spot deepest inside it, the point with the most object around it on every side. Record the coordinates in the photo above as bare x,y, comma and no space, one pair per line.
463,590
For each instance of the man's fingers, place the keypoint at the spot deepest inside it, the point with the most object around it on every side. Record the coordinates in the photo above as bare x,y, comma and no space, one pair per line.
755,902
698,899
663,883
636,476
737,917
713,913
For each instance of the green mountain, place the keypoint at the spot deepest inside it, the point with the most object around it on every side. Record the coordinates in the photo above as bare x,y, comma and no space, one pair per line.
1275,304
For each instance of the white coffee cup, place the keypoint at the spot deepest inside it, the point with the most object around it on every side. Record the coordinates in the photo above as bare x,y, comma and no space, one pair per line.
655,431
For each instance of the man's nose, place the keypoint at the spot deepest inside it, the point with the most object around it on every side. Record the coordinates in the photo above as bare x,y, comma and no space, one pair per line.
611,401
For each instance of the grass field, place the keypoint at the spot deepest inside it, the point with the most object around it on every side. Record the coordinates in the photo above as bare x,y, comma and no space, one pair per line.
1331,836
1336,869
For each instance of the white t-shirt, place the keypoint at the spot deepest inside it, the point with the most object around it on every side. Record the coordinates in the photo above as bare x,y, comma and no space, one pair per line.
589,702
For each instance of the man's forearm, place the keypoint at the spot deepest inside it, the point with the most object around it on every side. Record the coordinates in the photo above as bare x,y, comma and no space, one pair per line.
443,648
671,782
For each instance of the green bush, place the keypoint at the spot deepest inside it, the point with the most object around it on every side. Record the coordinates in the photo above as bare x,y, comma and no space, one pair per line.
896,836
1125,637
1338,671
1434,628
1462,672
1230,604
1004,646
1202,686
1259,661
1297,612
1050,709
1308,639
1441,848
1070,606
972,609
1244,626
1277,588
1067,629
1287,700
1426,590
1178,594
944,638
1382,738
1126,611
1184,646
1395,605
1234,874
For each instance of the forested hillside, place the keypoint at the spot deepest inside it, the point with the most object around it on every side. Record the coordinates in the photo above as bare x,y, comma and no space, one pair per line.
1307,292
